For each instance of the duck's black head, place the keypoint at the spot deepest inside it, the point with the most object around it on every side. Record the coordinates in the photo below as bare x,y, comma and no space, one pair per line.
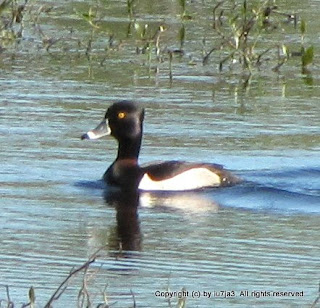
124,121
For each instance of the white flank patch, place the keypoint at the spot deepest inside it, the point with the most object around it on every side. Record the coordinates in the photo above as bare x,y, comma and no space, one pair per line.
194,178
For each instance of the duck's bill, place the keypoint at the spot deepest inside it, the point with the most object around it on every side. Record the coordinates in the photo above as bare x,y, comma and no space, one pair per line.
101,130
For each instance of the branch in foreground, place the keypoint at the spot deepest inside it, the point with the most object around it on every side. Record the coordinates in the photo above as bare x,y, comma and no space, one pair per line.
63,286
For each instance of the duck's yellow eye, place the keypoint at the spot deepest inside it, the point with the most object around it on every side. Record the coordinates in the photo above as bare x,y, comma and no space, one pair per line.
121,115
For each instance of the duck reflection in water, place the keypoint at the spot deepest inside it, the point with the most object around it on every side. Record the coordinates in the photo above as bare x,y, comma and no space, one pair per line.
127,236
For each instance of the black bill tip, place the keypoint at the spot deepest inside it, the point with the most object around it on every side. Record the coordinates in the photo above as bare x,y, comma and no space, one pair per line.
85,136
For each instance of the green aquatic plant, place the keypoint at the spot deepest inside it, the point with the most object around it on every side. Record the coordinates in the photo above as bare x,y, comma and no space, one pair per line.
238,35
242,29
148,40
11,21
89,16
130,7
182,36
184,15
307,54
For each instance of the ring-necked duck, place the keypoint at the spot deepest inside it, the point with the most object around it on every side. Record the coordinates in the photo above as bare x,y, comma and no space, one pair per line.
124,121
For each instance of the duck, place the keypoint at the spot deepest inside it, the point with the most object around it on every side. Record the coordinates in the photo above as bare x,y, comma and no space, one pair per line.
124,121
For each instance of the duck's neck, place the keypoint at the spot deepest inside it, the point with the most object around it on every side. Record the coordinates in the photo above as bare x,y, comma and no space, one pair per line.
129,148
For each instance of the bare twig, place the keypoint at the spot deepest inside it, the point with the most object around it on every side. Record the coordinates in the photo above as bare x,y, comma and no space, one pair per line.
9,302
84,293
63,286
